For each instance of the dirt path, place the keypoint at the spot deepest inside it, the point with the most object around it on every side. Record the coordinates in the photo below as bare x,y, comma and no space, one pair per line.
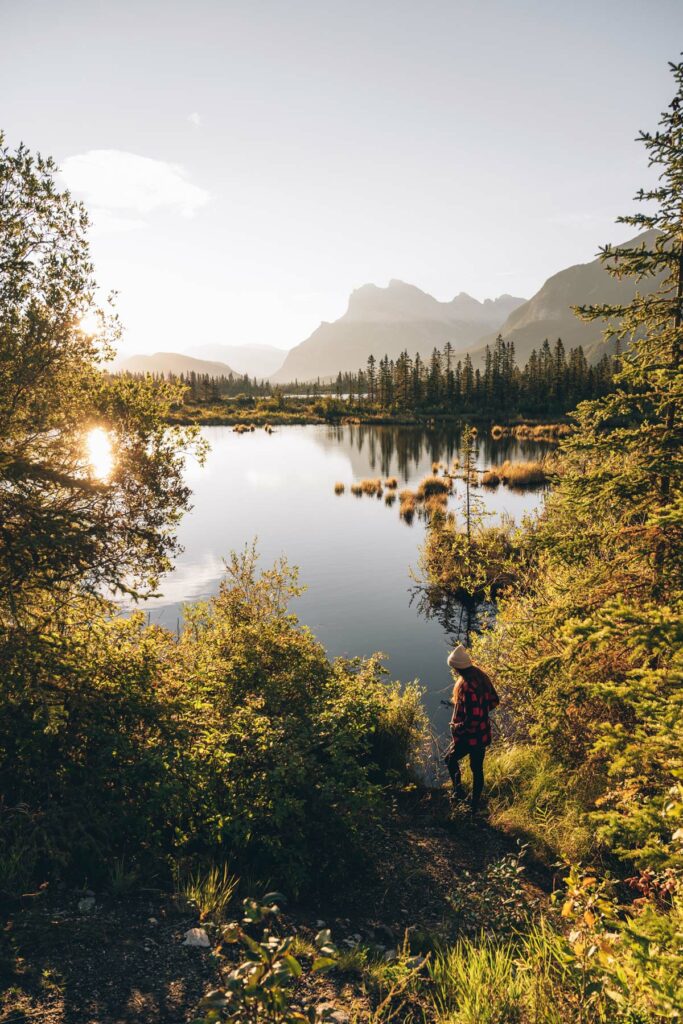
122,960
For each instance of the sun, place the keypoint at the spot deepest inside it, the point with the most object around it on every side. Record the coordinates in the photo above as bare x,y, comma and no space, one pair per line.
100,453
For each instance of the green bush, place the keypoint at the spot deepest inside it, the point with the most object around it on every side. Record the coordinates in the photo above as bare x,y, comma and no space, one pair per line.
237,741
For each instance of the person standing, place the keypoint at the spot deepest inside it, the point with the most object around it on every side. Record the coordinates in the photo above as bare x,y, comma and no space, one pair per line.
474,697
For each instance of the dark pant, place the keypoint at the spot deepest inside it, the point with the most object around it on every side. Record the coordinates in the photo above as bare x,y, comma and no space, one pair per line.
476,755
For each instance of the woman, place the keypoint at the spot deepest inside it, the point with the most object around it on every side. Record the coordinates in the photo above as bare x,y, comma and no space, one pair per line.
473,698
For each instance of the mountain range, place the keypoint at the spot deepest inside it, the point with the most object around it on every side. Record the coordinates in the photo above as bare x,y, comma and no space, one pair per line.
172,362
385,321
255,360
549,313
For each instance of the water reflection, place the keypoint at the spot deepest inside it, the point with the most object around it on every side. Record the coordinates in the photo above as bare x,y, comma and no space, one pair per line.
400,450
354,555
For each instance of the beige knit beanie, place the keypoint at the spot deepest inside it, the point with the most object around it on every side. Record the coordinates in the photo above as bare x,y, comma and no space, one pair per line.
459,658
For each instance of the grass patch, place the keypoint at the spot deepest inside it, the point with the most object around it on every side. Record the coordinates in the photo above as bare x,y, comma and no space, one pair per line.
210,890
390,498
532,979
522,475
530,796
339,487
357,490
391,482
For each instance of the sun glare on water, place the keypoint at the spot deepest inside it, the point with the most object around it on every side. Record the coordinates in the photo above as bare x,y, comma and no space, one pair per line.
100,453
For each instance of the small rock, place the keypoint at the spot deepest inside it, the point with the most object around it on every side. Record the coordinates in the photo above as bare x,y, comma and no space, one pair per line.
86,905
339,1016
320,924
197,937
152,920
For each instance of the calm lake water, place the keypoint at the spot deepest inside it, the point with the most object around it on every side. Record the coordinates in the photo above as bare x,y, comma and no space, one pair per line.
354,554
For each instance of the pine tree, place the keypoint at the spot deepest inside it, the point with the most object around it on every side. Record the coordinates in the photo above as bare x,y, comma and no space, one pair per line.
642,417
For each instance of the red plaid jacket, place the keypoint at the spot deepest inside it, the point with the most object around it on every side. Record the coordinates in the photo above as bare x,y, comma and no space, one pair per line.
470,725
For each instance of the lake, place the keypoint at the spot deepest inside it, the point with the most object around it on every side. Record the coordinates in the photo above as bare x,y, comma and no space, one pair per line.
354,554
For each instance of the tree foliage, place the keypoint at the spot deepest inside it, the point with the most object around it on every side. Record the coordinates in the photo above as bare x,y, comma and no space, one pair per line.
61,525
589,646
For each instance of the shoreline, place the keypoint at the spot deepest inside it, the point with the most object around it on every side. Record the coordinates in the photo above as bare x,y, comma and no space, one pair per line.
262,418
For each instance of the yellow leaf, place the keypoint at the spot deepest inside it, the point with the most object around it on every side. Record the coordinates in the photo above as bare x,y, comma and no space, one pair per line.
567,908
589,918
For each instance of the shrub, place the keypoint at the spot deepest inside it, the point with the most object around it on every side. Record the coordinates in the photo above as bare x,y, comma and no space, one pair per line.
239,739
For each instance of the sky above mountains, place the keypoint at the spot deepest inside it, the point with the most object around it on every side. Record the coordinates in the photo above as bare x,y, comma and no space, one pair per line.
248,164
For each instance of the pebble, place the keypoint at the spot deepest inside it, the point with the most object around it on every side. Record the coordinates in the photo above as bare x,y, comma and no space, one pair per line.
197,937
86,905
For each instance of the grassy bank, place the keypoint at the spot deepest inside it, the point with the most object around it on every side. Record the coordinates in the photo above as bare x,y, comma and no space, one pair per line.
301,411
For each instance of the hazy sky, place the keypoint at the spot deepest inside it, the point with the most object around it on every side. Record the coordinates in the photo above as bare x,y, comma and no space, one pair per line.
248,163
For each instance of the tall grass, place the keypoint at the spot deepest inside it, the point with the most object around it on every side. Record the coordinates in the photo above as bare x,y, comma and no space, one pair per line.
475,983
529,795
209,889
534,979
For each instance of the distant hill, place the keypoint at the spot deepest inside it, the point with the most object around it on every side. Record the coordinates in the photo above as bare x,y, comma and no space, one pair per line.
381,321
549,314
173,362
256,360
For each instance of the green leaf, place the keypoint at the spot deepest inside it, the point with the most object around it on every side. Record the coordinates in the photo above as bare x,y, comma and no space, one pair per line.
323,963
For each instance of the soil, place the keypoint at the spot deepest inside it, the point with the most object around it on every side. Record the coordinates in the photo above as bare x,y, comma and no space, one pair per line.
123,960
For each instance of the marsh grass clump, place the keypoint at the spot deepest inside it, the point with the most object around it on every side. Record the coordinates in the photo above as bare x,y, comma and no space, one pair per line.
435,506
390,498
339,487
268,429
240,428
391,482
490,478
357,490
497,431
370,486
408,505
432,485
521,475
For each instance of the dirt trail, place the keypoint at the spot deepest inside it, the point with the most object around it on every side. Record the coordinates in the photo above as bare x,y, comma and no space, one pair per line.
123,960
